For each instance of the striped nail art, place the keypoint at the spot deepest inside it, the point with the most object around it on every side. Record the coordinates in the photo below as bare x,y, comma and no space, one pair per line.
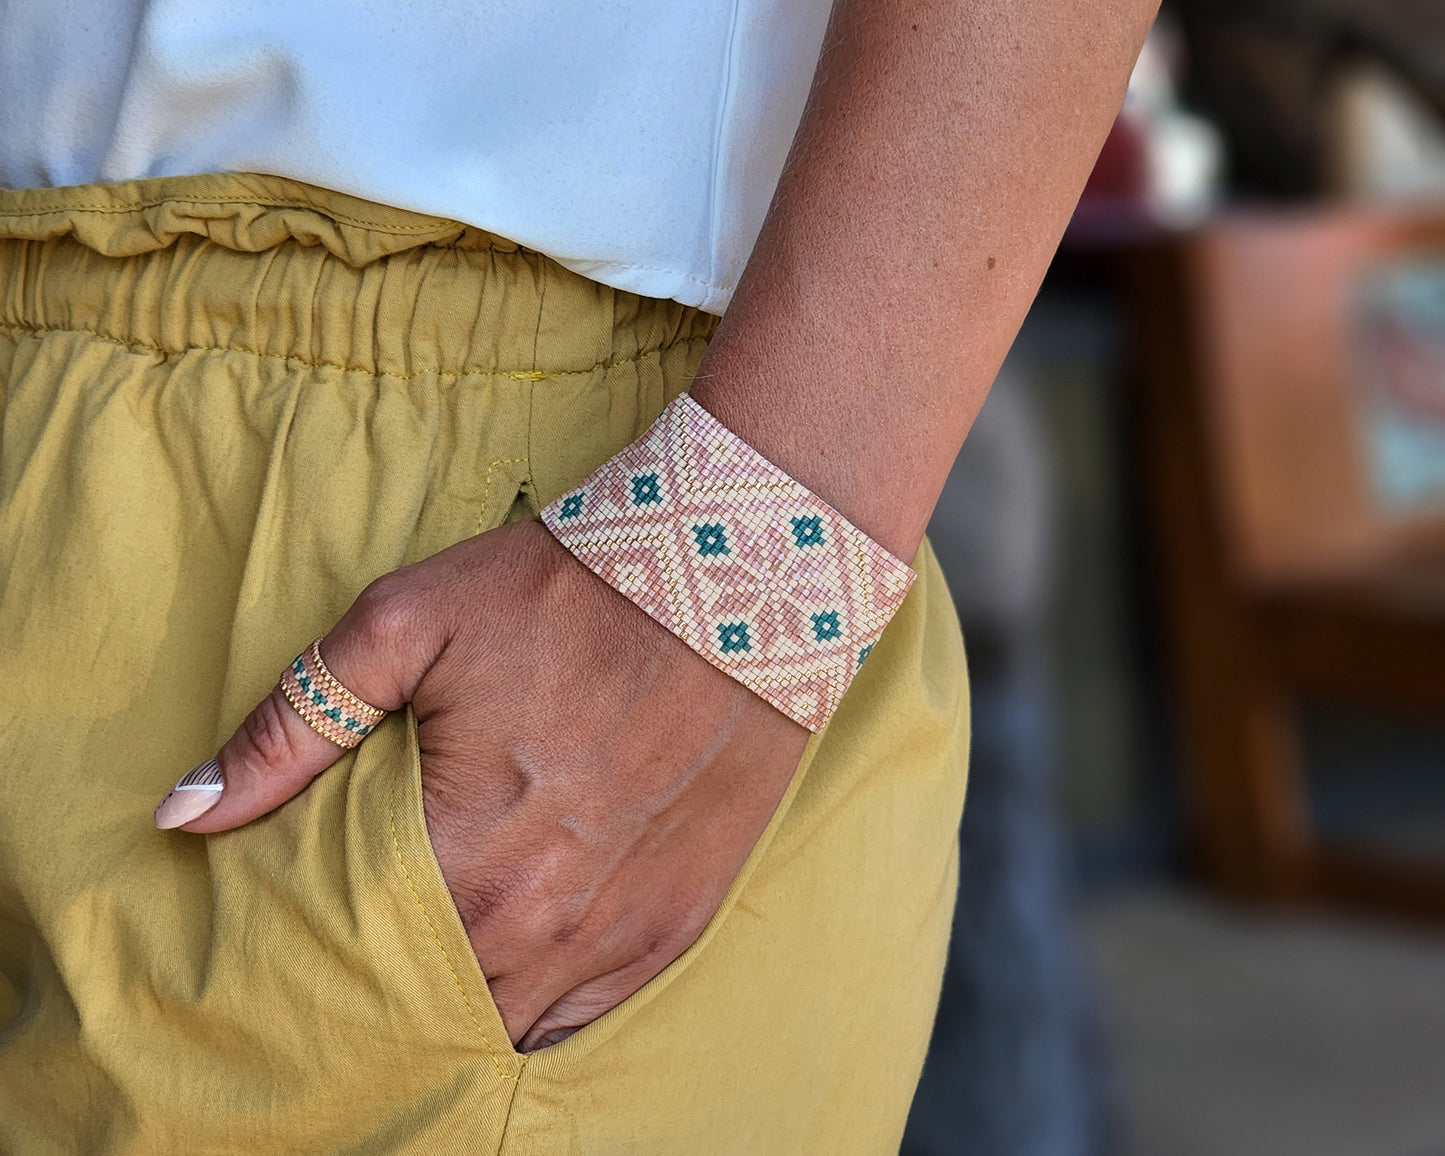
197,792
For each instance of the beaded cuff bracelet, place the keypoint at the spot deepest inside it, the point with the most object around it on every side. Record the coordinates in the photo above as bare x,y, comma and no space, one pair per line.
328,708
748,567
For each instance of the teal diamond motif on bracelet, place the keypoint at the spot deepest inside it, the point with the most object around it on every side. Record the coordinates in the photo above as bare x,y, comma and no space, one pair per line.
711,539
826,626
645,489
572,504
808,531
733,636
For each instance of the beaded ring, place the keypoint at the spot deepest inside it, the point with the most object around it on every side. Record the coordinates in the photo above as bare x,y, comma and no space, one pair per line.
326,706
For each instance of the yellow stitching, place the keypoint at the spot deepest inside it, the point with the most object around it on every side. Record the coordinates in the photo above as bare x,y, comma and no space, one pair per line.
487,492
509,374
274,202
457,979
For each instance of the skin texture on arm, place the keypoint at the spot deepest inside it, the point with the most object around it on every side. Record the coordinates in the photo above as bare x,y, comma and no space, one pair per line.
590,813
942,151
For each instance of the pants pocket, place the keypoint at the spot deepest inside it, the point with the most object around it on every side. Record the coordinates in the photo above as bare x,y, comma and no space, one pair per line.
437,933
435,942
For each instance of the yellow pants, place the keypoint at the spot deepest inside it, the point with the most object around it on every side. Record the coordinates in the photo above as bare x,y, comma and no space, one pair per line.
228,403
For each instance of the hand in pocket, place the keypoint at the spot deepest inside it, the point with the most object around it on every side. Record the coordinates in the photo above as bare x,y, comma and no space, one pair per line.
591,785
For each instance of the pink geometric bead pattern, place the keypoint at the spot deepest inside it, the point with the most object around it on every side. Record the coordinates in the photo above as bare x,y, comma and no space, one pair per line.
748,567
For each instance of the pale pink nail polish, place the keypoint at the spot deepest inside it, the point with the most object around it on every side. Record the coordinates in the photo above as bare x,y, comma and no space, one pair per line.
198,791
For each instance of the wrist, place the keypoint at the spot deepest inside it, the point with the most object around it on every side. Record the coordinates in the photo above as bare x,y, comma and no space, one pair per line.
880,487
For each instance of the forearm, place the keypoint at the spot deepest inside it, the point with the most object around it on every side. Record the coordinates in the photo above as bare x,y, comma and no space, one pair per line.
944,145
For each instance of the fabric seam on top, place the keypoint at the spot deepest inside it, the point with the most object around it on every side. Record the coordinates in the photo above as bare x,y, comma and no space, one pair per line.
510,374
646,269
724,105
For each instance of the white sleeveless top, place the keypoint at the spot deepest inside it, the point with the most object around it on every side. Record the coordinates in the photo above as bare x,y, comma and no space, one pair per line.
637,142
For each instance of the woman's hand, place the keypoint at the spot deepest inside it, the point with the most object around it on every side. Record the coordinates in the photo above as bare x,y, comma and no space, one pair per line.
591,785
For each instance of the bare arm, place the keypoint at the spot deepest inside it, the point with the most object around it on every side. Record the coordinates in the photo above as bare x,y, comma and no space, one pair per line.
940,156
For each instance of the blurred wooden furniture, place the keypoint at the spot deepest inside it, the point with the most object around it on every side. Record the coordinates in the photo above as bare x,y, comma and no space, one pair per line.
1281,578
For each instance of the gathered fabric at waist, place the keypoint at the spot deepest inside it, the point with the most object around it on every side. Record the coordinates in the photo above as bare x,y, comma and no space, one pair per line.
171,265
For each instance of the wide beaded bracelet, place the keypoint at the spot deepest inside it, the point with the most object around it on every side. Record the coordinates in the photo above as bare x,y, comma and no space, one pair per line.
756,573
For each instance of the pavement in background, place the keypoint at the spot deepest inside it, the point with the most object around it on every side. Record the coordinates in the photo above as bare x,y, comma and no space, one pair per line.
1242,1034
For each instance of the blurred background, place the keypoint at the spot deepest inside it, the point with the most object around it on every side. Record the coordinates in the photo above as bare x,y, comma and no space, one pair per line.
1197,539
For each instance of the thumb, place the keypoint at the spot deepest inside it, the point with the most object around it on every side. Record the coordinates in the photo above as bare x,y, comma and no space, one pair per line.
275,752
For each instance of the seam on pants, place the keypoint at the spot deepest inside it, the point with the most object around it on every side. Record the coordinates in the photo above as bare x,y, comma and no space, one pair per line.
529,481
541,311
492,1052
482,526
510,374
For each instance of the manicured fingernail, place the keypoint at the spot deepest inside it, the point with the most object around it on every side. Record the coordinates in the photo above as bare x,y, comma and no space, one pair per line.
198,791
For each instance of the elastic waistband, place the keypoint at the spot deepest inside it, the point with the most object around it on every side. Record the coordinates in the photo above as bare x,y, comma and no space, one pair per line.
278,268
